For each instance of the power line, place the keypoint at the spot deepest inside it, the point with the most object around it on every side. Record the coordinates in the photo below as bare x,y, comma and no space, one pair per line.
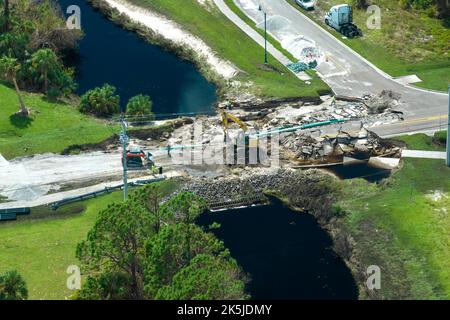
163,115
124,140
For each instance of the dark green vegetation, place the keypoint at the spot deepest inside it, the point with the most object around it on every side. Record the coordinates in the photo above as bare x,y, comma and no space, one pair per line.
32,42
402,226
51,127
140,249
139,105
136,249
43,245
435,8
232,44
421,141
8,70
104,101
413,39
12,286
100,102
440,137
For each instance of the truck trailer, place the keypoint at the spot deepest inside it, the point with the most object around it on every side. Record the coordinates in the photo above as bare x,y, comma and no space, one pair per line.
340,17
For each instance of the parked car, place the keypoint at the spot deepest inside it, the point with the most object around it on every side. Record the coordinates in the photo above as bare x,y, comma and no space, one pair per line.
306,4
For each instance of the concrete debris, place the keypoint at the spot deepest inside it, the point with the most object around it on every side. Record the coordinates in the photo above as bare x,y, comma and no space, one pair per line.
350,138
368,111
386,100
250,102
360,145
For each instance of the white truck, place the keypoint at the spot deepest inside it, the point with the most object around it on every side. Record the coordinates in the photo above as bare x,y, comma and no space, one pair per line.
340,17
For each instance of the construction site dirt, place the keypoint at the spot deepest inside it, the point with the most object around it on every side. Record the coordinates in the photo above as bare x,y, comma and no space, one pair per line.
308,134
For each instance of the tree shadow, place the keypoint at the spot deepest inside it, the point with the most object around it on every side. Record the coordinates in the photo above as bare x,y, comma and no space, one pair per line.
52,99
446,21
20,121
6,84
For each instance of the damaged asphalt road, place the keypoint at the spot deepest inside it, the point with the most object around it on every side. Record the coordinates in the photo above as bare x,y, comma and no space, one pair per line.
346,72
29,178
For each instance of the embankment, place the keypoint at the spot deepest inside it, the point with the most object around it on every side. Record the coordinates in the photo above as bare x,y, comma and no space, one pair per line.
219,49
160,31
311,191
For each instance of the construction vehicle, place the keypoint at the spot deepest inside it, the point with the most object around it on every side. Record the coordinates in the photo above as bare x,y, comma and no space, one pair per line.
340,17
137,159
246,138
243,136
227,117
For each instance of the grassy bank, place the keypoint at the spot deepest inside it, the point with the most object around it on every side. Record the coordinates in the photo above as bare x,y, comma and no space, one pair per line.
232,5
422,141
42,246
409,41
402,226
234,45
52,127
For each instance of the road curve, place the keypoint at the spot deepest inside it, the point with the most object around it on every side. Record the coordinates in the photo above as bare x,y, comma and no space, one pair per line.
349,74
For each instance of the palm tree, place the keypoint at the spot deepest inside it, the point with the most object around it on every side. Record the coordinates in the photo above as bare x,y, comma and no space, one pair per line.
43,60
5,27
12,286
140,105
8,70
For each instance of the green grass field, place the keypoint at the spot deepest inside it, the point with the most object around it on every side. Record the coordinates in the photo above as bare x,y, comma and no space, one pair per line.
421,141
52,127
400,227
41,247
234,45
409,42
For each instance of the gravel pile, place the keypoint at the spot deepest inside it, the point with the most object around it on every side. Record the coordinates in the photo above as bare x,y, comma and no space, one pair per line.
229,188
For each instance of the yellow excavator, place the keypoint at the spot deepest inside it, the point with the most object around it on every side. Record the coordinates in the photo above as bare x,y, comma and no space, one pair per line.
227,118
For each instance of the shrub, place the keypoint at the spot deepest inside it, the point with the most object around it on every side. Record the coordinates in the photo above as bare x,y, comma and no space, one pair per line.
100,101
440,137
337,210
139,105
45,72
12,286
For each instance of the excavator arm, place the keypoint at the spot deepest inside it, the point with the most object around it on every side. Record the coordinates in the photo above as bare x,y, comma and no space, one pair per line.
226,117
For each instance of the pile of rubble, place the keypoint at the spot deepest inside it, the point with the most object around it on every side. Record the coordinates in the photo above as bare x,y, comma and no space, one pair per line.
344,136
370,110
385,101
361,145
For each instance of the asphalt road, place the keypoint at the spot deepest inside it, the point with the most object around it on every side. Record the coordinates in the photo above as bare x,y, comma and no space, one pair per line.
349,74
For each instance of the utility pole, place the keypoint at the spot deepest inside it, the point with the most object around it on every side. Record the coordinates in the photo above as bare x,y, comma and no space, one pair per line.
265,33
124,140
448,130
